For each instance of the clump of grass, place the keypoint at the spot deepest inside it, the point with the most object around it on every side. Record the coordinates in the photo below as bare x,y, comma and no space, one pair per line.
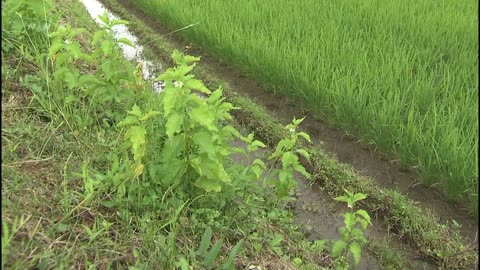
402,76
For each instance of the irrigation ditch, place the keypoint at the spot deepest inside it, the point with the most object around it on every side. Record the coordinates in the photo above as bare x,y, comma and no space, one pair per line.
415,220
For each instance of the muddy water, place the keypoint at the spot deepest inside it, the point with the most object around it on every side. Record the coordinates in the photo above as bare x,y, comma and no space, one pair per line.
362,157
135,54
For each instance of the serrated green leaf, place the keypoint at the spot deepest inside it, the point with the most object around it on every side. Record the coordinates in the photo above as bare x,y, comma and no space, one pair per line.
177,57
258,144
349,194
129,120
228,129
260,163
205,143
289,159
187,59
104,18
208,184
126,41
197,85
318,245
172,147
305,136
299,168
257,171
296,122
342,198
174,124
356,251
338,247
118,22
97,37
357,234
137,138
172,171
364,215
304,153
204,117
349,220
148,115
359,196
90,80
363,222
215,96
170,100
55,48
135,111
194,101
213,169
107,47
75,50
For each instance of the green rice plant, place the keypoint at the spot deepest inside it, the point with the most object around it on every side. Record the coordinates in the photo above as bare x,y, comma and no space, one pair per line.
400,75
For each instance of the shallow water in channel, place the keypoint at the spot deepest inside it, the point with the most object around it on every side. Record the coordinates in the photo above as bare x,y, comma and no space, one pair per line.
135,54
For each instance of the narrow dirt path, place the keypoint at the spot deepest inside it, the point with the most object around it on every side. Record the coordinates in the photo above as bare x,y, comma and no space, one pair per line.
385,173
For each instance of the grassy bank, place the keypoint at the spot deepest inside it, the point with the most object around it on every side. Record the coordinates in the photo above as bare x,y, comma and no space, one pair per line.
402,76
423,230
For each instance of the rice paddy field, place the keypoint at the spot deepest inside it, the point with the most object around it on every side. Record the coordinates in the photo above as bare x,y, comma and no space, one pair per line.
400,74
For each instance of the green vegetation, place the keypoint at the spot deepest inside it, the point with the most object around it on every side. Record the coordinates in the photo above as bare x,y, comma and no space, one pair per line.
403,75
100,172
420,228
352,238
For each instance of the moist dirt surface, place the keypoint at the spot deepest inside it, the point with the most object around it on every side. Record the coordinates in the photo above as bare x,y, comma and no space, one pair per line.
321,218
386,172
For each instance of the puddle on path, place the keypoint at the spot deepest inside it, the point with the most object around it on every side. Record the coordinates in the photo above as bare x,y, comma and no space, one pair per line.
135,54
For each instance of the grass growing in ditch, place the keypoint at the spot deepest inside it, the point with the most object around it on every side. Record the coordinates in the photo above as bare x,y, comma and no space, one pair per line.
403,75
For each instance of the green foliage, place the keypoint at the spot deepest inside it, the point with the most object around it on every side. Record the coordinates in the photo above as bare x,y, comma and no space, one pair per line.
106,90
287,152
402,75
352,236
207,258
26,22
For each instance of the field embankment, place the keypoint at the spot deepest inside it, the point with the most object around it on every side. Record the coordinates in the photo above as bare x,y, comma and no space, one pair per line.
403,76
